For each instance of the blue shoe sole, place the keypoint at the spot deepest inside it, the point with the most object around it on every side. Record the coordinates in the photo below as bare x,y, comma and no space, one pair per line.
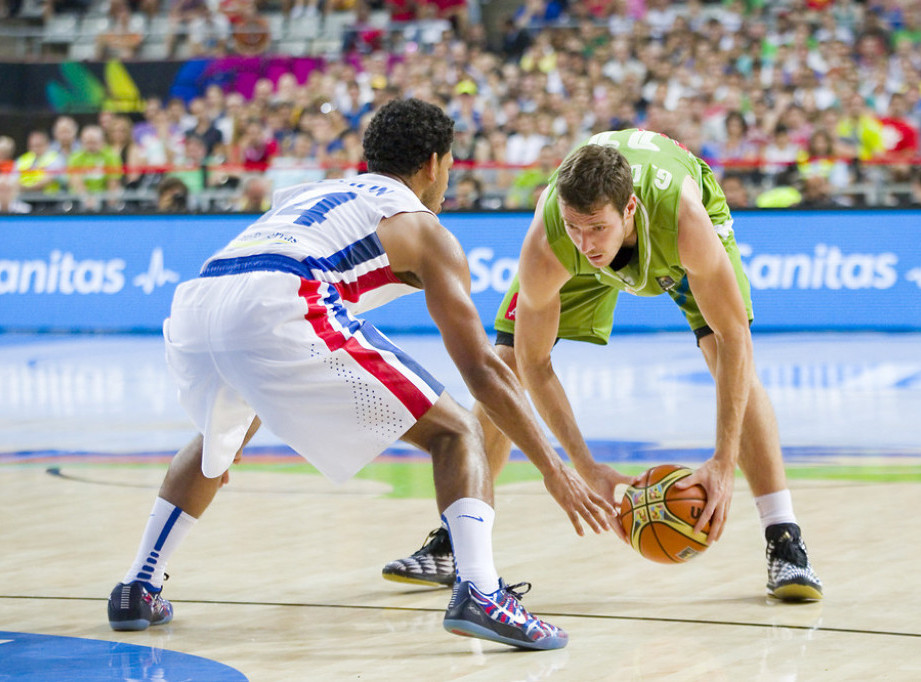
465,628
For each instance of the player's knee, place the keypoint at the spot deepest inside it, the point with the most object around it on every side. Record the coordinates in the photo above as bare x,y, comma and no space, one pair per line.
459,437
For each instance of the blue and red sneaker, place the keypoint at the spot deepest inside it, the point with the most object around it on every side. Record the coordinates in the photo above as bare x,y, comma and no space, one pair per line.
132,606
500,617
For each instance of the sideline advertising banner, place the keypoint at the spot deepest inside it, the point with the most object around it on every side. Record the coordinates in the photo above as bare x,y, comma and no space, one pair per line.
810,270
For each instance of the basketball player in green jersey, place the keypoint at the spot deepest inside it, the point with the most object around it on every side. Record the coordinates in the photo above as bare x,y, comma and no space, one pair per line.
634,211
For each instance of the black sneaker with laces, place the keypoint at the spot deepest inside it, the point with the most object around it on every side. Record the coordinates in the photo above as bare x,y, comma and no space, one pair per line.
133,607
432,564
790,577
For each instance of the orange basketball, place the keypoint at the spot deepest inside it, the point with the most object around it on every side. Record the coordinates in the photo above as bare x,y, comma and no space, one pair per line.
659,518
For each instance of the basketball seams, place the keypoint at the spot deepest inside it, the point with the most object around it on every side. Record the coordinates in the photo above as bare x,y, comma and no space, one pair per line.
653,505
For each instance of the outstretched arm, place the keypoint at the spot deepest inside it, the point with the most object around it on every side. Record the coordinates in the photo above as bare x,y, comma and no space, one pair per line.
712,279
537,317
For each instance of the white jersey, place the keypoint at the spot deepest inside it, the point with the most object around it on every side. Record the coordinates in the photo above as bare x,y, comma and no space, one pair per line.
327,232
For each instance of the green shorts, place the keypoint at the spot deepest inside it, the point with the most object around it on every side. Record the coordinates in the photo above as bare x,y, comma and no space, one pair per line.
587,305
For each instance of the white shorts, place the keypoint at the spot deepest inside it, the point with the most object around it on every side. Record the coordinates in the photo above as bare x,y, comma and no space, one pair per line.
271,344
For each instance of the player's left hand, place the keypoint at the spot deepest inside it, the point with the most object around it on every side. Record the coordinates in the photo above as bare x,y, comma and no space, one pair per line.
717,478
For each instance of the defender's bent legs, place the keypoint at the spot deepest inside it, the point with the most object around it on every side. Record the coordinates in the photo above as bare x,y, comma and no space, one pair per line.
454,439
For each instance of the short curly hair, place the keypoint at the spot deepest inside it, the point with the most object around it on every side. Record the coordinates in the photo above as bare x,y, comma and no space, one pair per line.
403,135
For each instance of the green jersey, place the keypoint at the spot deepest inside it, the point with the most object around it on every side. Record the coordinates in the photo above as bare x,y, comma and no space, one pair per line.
660,166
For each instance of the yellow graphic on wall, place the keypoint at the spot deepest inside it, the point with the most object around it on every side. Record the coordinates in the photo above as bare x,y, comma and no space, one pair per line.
82,91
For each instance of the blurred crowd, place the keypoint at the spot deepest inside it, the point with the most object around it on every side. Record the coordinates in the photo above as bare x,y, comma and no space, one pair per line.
794,103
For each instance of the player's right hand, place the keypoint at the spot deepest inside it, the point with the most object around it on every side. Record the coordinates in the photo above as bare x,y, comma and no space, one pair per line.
604,480
579,501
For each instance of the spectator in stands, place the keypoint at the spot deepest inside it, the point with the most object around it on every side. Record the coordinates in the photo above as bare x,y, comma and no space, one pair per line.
41,167
209,32
7,155
256,195
280,124
204,127
464,107
522,192
780,156
263,94
296,166
254,149
178,114
251,34
464,147
354,106
860,127
735,188
226,118
144,127
181,14
819,158
351,147
122,37
491,152
686,66
525,143
735,150
64,136
196,171
468,194
172,195
9,195
160,141
817,192
94,172
799,129
128,151
536,14
900,138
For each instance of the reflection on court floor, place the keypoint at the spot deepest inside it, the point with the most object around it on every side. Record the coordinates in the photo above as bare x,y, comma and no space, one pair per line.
836,395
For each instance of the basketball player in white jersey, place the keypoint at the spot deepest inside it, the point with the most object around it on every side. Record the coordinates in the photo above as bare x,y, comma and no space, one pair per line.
270,329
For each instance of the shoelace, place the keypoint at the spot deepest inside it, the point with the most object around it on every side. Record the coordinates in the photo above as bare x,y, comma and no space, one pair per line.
518,590
789,549
436,539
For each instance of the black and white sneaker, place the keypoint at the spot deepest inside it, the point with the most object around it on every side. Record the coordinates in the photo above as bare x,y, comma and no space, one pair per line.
790,577
432,564
134,607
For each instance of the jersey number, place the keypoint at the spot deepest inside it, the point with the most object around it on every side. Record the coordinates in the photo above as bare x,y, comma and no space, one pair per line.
662,179
317,213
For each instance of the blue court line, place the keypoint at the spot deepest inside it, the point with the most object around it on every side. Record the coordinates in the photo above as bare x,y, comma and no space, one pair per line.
27,657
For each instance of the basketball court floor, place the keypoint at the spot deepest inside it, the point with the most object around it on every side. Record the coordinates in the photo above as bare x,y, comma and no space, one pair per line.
280,579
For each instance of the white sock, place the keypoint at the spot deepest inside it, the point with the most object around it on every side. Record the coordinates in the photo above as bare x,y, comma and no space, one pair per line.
166,528
469,522
775,508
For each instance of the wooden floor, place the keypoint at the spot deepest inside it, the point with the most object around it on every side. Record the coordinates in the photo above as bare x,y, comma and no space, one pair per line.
280,580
